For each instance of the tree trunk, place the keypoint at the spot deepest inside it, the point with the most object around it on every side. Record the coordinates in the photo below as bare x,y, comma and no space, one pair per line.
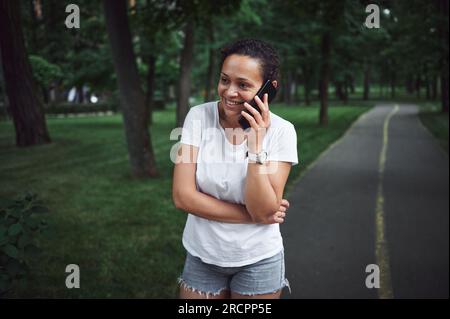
324,78
34,26
444,91
346,86
24,104
307,74
307,88
366,81
287,87
307,94
184,84
352,84
393,83
434,88
151,61
138,139
409,84
418,86
296,86
337,90
59,92
282,88
79,94
88,96
4,105
444,63
340,90
211,63
291,84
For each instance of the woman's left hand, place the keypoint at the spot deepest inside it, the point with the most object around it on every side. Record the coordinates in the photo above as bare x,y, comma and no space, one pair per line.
259,123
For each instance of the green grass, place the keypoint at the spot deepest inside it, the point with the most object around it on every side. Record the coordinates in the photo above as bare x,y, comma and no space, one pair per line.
125,234
436,122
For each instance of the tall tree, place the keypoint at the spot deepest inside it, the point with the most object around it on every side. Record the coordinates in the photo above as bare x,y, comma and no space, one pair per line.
442,13
153,22
210,75
184,84
366,81
25,107
194,13
138,138
324,77
329,18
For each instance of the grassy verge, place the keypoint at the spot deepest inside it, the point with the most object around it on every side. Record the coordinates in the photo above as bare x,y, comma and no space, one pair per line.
124,234
436,122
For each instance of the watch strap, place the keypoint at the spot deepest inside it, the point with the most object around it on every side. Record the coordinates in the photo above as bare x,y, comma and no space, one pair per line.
257,157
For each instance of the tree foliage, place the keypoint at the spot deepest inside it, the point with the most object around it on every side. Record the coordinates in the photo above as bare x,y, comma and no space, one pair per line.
407,50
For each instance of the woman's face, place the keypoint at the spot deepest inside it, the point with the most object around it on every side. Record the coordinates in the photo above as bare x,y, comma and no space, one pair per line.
240,80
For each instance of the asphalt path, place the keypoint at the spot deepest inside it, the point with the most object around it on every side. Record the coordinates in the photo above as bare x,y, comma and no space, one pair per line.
386,168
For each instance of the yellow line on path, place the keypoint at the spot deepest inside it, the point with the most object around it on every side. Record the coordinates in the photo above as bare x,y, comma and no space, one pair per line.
381,248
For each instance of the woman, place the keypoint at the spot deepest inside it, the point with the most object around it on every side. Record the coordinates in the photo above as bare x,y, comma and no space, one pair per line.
231,183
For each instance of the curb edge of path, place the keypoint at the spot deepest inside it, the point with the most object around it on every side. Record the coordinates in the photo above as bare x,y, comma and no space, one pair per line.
434,138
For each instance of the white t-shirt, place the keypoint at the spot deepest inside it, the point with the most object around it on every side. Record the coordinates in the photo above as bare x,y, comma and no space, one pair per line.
221,172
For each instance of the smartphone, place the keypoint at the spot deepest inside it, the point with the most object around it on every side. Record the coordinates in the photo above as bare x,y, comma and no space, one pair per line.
268,88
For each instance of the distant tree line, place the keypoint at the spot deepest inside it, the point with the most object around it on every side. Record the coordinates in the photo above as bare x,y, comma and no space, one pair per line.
142,51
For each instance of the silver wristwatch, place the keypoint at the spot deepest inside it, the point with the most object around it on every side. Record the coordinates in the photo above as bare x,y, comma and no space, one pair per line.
259,158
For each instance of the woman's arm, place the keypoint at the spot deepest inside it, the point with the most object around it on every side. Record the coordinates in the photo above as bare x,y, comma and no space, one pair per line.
188,198
264,188
265,183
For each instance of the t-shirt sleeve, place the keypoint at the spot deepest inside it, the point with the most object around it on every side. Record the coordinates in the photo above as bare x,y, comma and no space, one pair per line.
283,145
191,133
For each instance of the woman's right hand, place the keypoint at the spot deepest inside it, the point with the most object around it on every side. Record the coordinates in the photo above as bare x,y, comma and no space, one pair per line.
280,214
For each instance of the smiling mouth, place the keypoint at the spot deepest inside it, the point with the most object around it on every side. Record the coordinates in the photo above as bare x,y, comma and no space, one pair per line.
233,103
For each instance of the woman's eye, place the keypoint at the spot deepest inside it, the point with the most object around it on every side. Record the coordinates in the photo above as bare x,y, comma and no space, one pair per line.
243,86
224,80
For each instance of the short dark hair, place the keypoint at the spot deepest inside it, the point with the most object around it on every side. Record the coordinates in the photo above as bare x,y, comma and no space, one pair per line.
257,49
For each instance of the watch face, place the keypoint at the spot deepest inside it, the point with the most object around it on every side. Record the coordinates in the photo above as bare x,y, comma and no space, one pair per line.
262,156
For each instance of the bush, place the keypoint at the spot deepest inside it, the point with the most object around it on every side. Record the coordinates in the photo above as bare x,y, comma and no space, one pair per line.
19,226
70,108
43,71
73,108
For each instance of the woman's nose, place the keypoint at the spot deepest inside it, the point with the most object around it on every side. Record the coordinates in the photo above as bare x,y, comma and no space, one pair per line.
232,92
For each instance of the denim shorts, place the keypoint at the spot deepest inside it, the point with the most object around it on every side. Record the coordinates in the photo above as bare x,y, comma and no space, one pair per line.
263,277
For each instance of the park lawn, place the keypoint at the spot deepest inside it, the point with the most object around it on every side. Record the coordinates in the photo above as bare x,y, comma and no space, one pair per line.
436,122
124,234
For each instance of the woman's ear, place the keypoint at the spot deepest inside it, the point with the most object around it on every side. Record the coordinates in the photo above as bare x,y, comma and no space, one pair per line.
275,83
